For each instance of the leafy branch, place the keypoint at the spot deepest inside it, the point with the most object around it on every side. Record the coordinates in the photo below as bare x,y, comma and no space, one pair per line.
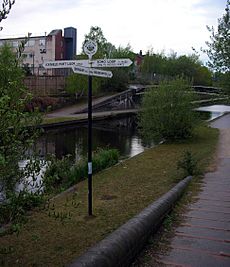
6,7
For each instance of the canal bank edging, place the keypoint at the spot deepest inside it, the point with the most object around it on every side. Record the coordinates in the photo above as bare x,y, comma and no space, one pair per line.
218,117
122,246
83,118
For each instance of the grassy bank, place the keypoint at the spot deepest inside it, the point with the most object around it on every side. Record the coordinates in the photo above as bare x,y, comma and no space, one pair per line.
54,236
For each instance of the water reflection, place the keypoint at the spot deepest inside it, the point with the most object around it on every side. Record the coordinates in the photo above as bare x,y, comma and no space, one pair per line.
121,134
214,111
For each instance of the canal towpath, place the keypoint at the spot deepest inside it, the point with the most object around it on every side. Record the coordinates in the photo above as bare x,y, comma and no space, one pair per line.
76,112
203,237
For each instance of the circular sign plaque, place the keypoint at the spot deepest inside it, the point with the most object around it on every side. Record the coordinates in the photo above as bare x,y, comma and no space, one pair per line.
90,48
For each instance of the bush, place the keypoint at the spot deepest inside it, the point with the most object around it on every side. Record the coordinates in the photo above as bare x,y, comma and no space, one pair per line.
42,104
188,163
104,159
62,173
16,138
18,204
167,111
57,172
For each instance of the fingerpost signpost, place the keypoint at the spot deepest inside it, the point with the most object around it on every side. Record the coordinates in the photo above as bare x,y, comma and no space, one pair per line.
87,67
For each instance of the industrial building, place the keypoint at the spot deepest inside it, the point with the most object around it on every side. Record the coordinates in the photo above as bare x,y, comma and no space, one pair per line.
54,46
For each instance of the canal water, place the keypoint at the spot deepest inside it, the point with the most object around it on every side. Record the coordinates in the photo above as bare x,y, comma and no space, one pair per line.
214,111
121,134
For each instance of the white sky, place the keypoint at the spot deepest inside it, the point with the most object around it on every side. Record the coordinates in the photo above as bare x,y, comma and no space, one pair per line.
165,25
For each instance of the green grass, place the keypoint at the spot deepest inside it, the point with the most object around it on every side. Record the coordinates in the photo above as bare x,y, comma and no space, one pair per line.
160,242
56,235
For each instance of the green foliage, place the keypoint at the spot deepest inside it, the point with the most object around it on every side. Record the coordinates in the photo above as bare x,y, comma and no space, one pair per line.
158,66
78,84
203,76
104,158
188,163
225,82
121,76
15,137
43,104
104,47
18,204
17,131
118,82
57,172
62,173
218,49
6,7
167,111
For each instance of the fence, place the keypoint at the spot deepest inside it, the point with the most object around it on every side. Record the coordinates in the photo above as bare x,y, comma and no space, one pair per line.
46,85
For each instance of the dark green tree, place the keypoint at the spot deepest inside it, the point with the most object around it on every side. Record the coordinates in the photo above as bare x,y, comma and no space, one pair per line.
159,67
121,76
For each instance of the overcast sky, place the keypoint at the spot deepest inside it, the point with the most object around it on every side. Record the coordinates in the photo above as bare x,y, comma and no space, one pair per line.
165,25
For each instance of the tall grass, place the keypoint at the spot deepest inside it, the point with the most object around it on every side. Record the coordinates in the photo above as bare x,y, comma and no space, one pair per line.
62,173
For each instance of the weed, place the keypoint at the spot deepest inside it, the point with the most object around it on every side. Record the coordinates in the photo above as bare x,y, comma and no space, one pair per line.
188,163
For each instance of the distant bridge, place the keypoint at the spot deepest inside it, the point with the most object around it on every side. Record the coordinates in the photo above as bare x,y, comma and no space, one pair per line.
130,98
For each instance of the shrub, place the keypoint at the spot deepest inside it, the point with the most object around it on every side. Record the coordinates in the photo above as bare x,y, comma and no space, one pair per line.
104,158
16,138
42,103
167,111
57,172
18,204
188,163
62,173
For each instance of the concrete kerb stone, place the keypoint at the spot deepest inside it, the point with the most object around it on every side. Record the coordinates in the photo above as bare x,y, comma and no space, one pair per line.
122,246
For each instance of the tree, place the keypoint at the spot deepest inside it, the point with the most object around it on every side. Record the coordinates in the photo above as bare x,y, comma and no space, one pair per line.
6,7
121,76
159,67
153,64
78,84
105,49
218,49
203,76
167,112
17,128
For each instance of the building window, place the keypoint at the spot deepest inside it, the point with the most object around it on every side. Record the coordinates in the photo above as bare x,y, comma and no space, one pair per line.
42,42
15,43
30,43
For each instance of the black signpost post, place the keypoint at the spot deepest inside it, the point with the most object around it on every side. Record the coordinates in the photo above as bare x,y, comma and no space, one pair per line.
86,67
90,48
90,167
